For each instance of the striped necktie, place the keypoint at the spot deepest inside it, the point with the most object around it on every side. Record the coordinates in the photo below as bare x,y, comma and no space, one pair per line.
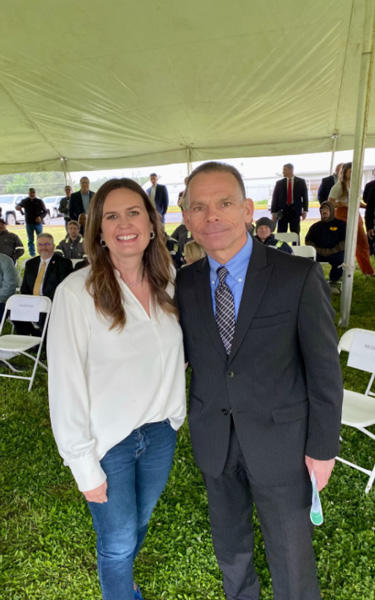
225,314
39,279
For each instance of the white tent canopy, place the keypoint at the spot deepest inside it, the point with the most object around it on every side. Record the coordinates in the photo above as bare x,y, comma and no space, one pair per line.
95,85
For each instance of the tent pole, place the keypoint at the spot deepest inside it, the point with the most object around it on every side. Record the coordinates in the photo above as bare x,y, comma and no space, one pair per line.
188,160
67,175
363,102
334,137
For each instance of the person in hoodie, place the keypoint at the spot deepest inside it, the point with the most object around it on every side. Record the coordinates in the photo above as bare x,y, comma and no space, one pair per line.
264,228
328,238
72,245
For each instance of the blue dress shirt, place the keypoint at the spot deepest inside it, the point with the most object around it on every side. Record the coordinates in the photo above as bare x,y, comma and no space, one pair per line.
237,267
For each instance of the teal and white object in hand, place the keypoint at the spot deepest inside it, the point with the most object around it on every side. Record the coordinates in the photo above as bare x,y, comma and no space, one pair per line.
316,513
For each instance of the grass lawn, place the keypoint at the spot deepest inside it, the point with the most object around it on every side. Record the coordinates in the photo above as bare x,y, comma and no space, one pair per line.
47,546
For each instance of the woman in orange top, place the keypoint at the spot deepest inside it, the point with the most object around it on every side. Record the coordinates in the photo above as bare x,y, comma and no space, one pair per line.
339,196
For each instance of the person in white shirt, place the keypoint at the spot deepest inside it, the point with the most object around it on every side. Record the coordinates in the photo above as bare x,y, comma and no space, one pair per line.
116,375
339,197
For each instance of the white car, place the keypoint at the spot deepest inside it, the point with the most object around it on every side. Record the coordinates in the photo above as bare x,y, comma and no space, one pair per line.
52,205
8,203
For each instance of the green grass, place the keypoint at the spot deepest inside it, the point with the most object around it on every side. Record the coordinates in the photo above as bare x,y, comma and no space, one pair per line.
47,545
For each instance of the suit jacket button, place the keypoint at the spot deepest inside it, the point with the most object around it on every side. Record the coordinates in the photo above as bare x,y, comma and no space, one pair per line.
231,374
225,411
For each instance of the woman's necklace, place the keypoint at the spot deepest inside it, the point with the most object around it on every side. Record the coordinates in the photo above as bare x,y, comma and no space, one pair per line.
138,281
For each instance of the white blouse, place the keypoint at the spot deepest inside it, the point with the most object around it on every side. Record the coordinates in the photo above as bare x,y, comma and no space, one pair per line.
105,383
337,193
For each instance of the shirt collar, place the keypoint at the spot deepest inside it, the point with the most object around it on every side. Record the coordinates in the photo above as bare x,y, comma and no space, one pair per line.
237,265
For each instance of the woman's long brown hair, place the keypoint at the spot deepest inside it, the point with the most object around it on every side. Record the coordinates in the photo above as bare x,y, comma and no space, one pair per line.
102,283
344,169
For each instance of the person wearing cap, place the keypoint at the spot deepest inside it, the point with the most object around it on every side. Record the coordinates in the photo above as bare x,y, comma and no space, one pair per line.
10,243
158,195
327,236
264,228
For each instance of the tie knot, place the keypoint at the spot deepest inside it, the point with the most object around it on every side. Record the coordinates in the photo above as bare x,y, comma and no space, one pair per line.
222,272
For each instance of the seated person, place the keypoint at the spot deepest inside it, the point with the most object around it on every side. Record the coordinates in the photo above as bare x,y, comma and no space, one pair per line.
8,280
10,243
193,252
174,250
72,245
328,238
264,228
41,277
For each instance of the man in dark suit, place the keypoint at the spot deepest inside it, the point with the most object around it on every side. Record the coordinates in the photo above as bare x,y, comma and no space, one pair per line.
289,201
265,392
159,196
42,276
79,201
327,183
369,200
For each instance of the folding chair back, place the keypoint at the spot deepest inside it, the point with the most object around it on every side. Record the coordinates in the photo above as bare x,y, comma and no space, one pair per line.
290,237
359,408
305,251
13,344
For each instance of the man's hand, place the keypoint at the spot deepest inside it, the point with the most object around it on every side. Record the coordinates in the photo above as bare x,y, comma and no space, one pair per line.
98,494
371,233
38,220
274,217
304,214
321,468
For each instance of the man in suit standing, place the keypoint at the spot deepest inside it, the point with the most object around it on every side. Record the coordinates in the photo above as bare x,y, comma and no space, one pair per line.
79,201
265,392
369,200
42,276
327,183
159,196
289,201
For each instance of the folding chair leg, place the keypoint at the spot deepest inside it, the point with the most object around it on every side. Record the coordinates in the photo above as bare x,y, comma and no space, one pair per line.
370,481
11,367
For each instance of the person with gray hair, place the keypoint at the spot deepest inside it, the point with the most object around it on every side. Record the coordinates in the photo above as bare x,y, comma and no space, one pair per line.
265,390
290,201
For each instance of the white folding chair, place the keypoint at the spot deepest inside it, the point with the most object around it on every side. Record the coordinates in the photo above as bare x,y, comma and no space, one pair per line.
359,409
14,344
75,261
305,251
289,237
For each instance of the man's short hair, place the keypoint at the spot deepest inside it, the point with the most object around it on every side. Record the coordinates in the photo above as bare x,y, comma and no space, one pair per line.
84,177
153,174
289,166
216,167
73,222
46,235
31,190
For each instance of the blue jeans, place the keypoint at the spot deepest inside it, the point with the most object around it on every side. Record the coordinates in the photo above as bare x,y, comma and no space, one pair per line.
30,228
137,470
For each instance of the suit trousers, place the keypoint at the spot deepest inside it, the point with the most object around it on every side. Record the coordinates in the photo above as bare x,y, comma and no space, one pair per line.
290,217
283,513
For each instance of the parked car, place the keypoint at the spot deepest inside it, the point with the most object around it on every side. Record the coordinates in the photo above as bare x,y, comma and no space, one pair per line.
8,203
52,205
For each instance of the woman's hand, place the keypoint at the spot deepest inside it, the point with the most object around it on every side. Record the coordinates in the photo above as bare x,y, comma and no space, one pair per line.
98,494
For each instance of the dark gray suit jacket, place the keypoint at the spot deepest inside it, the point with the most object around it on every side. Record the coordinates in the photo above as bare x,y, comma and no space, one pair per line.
282,381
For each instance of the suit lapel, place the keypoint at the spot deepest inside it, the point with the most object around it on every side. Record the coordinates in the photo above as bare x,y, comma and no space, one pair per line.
257,277
202,291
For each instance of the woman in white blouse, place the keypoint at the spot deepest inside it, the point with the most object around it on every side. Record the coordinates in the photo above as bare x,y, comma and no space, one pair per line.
339,197
116,375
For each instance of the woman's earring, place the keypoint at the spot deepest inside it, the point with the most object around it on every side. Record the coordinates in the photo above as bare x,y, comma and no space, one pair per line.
152,235
102,243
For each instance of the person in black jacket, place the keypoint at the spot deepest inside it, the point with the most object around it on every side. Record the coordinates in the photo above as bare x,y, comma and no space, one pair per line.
79,201
327,183
369,200
328,238
159,196
290,201
34,210
264,228
41,277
